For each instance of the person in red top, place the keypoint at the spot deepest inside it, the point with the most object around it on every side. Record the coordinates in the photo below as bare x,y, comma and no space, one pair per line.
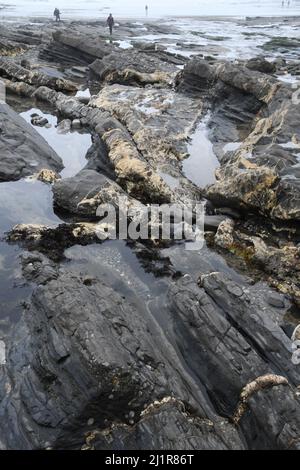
110,23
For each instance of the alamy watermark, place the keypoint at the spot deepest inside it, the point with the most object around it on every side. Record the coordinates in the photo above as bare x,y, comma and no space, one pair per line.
296,346
2,92
125,221
296,94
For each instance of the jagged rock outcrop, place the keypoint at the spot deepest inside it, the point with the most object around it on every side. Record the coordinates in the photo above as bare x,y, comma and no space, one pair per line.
139,152
134,171
262,174
135,158
279,263
196,77
260,64
133,67
159,128
230,346
11,48
257,84
101,377
254,188
53,241
23,34
75,47
22,150
77,194
181,431
94,360
82,194
156,119
198,74
10,69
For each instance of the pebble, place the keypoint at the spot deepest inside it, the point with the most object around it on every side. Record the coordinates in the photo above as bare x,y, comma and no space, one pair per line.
235,290
276,300
40,121
76,124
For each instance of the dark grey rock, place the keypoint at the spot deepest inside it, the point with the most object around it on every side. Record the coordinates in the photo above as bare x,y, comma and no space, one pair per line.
256,319
229,346
86,353
272,419
204,336
212,222
166,426
276,300
115,67
228,212
37,268
261,65
23,151
75,47
98,159
197,76
264,159
39,121
11,69
70,192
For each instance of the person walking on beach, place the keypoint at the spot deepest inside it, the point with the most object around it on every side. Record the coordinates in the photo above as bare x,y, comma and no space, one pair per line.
110,23
147,10
57,15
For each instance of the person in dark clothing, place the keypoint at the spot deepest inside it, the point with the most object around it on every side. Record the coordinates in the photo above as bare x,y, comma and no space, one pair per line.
57,15
110,23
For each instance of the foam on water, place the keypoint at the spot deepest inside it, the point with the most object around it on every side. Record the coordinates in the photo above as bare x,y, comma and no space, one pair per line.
224,38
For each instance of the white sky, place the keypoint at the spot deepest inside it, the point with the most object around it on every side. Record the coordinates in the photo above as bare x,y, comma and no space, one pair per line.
136,8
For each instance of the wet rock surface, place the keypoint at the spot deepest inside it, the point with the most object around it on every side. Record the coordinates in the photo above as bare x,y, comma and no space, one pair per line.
73,194
23,151
79,341
279,262
17,72
261,65
263,167
145,345
135,67
72,47
182,432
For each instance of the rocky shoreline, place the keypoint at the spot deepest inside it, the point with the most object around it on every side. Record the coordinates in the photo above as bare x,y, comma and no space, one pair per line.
145,345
